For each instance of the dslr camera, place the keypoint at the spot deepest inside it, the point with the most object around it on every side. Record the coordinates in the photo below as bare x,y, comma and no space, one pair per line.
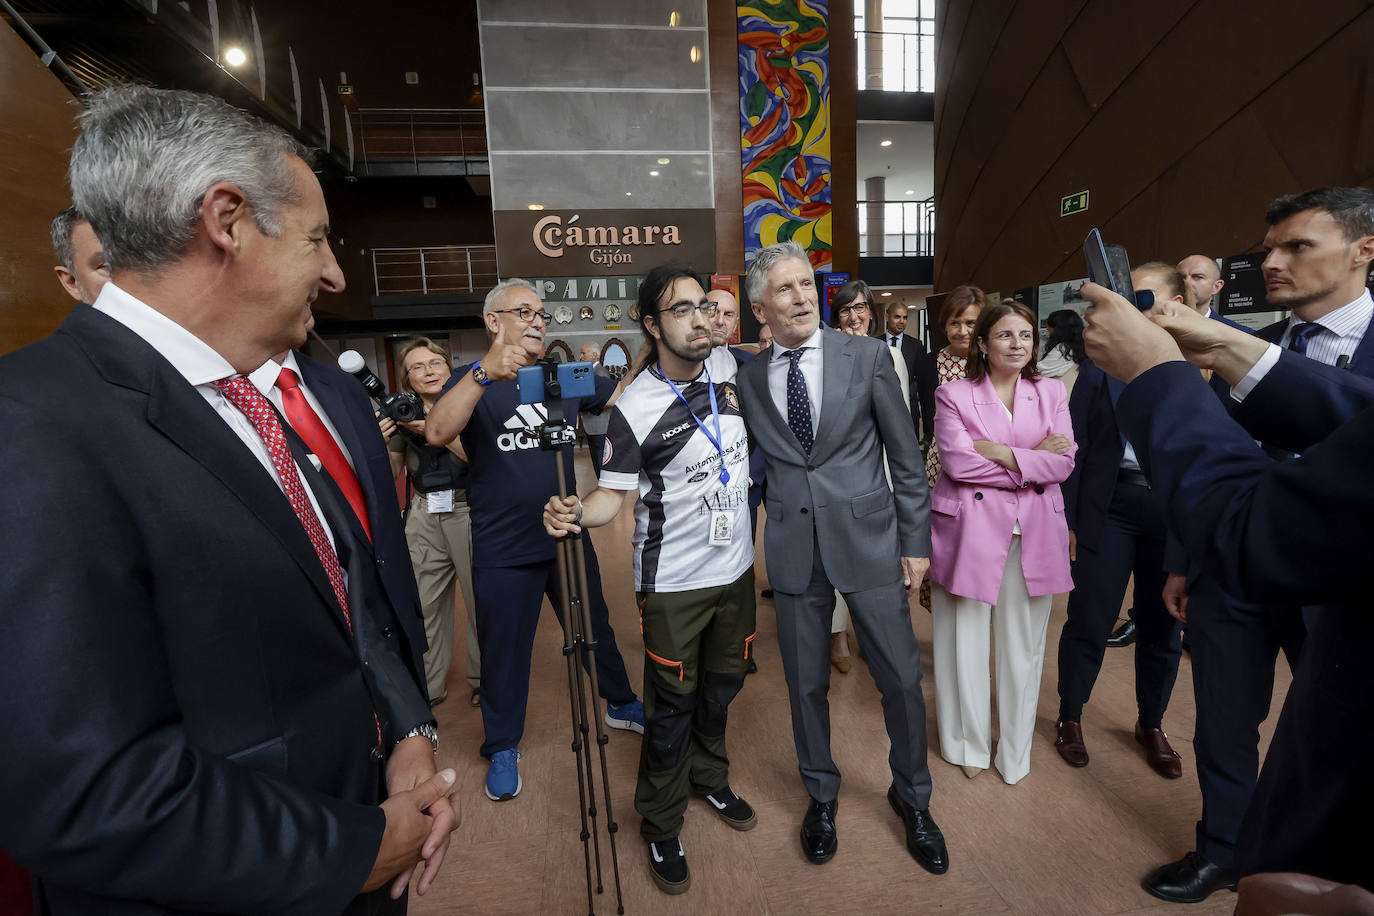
401,407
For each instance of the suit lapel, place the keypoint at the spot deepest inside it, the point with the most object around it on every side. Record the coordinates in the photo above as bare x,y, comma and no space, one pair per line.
181,414
756,372
991,412
836,370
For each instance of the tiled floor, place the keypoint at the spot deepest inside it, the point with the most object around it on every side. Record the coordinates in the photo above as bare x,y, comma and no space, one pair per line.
1061,841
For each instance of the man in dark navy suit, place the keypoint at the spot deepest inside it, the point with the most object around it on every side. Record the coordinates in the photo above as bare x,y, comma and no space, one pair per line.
1292,531
1317,267
1116,531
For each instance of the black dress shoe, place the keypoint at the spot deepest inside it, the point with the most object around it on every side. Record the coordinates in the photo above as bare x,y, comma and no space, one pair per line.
1191,879
1123,635
818,832
924,840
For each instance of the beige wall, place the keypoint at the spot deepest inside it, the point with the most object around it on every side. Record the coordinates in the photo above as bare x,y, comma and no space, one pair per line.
36,135
1183,118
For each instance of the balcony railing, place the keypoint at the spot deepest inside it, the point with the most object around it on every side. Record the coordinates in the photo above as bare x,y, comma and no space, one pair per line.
897,228
896,61
429,271
423,141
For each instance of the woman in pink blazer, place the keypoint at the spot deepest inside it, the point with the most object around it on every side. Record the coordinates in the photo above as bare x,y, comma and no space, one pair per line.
1001,545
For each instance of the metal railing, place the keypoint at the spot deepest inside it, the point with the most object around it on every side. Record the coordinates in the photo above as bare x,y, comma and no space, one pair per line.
423,140
900,61
427,271
897,228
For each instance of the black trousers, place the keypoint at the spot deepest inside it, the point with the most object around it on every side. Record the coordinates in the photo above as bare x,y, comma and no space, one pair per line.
1132,542
1234,649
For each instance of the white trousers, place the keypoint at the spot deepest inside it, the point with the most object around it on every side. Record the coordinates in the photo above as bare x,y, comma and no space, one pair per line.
962,681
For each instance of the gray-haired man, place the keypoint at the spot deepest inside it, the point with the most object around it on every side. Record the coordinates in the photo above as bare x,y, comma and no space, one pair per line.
823,407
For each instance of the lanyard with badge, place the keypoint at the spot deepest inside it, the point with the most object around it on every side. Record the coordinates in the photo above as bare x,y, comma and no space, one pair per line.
720,533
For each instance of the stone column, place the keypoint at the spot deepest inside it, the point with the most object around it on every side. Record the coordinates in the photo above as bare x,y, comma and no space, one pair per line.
875,193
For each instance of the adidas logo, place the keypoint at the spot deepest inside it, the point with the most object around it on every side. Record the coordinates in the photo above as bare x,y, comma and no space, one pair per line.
525,418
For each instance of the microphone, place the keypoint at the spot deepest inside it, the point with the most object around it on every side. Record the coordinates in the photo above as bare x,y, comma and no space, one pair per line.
351,361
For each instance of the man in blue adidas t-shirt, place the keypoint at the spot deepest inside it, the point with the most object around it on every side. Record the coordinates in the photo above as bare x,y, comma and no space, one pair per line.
677,438
513,565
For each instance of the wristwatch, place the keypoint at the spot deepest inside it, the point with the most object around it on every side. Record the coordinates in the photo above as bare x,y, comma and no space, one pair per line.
479,375
428,730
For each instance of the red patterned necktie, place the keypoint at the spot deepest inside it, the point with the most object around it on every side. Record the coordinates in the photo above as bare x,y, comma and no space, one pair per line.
311,428
246,397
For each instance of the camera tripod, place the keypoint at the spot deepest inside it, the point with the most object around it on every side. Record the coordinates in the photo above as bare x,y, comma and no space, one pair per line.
554,436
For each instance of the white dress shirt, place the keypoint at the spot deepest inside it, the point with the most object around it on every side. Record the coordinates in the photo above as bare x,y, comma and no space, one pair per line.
201,366
1342,331
264,378
811,362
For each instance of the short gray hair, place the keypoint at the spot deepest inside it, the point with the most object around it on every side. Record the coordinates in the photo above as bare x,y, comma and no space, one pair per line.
146,157
63,224
494,296
757,277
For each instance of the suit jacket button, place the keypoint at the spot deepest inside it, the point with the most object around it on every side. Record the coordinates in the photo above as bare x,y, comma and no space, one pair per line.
977,495
803,511
387,632
381,562
376,753
1039,490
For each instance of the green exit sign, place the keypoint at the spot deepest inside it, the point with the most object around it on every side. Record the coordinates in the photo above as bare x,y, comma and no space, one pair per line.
1074,203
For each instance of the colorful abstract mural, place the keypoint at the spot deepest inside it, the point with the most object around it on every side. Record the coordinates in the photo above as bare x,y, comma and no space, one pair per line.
784,84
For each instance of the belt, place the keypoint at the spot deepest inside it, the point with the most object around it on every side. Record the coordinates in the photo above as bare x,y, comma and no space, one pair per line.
1134,478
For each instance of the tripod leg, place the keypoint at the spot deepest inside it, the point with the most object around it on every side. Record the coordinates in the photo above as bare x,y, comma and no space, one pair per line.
572,604
579,725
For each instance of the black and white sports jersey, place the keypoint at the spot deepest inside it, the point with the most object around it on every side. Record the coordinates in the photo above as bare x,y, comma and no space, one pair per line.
653,443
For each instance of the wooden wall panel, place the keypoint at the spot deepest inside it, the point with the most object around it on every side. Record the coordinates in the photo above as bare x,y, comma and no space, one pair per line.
1184,118
36,135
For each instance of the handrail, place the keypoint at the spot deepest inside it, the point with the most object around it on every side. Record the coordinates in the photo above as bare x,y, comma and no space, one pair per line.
912,220
432,270
909,50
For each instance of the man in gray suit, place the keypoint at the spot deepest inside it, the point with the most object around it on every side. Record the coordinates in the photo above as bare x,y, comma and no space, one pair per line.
594,426
823,406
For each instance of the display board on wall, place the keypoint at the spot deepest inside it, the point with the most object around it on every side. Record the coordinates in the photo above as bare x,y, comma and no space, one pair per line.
1243,298
784,85
537,243
832,283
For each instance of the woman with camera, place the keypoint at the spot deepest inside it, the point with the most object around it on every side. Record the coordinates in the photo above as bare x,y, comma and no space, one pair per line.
1000,547
438,529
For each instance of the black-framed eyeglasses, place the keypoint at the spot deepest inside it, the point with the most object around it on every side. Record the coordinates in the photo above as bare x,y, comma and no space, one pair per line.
684,309
858,308
527,314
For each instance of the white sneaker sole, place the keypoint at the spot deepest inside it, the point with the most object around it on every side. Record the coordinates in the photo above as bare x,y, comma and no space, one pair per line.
624,724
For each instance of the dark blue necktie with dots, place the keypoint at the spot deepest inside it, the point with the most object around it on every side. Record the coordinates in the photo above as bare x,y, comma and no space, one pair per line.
799,402
1302,333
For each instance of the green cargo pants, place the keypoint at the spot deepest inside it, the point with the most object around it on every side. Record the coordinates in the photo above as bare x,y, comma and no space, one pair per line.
696,653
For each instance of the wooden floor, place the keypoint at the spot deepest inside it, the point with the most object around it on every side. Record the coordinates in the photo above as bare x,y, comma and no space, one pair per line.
1061,841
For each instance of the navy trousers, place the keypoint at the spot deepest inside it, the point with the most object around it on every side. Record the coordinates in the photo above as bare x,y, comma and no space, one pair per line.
1132,541
509,599
1234,649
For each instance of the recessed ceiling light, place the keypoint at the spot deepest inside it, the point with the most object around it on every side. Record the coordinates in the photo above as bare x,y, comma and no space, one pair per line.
910,191
653,172
887,293
235,57
534,206
629,194
664,160
674,19
884,142
694,55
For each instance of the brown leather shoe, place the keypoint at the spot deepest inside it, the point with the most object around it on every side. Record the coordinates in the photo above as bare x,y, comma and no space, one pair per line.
1158,754
1069,743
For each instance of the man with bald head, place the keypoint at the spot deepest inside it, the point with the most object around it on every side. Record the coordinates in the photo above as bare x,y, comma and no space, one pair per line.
1204,278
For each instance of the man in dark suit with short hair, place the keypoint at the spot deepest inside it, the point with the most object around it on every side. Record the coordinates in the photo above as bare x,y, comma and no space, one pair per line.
220,711
920,370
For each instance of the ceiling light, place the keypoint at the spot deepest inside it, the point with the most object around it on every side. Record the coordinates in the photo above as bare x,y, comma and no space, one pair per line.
534,206
629,194
235,57
674,18
884,142
694,55
888,293
910,191
664,160
653,172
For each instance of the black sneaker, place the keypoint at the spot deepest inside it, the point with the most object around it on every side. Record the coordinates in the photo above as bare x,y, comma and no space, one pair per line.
732,809
668,865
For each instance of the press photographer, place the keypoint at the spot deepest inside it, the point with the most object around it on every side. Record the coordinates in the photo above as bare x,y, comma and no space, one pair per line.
438,528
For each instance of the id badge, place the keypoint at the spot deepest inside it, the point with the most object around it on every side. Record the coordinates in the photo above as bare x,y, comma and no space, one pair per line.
722,529
439,501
